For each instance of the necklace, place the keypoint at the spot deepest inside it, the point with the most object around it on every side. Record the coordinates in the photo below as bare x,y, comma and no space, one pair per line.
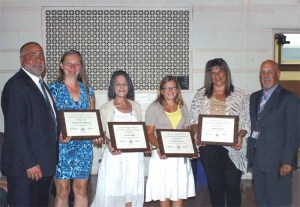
217,107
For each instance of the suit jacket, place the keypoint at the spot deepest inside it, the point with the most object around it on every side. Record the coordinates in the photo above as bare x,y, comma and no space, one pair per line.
30,134
277,143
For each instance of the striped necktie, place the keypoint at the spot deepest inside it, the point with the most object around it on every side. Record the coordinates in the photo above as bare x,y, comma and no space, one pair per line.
47,99
263,101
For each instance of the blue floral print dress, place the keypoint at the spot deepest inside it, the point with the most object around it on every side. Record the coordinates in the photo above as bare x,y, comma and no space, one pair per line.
75,157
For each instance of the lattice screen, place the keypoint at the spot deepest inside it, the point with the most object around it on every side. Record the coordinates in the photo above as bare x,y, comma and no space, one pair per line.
148,44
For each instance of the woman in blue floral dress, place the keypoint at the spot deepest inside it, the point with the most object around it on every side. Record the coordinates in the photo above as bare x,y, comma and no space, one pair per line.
71,91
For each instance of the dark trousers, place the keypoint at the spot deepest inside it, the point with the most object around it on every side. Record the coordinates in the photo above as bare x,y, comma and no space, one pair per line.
3,197
271,189
25,192
222,176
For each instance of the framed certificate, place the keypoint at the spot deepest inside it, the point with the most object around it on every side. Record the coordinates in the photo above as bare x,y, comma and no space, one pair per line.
218,129
129,136
81,124
176,143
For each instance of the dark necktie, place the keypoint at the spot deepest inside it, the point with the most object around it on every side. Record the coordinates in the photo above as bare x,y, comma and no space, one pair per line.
47,99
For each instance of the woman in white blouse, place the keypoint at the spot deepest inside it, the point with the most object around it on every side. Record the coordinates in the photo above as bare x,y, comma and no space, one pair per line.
121,175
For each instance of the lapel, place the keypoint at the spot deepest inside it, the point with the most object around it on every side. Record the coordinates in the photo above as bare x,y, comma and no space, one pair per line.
272,100
256,103
39,95
48,91
33,86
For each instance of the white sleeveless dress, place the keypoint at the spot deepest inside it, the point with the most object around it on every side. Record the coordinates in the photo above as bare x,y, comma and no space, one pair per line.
120,177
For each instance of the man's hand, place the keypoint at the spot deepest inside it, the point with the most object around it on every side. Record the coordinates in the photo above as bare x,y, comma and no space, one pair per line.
34,173
285,169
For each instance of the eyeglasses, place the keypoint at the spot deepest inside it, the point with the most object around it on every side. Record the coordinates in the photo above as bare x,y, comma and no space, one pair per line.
169,88
217,73
119,85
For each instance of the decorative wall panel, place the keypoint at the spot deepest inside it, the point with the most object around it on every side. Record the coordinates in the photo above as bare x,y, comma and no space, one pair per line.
148,44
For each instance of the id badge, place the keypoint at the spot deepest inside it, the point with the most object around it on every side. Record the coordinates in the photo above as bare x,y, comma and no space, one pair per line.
255,133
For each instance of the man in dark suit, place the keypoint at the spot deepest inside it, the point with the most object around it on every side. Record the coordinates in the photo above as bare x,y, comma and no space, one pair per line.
273,144
31,127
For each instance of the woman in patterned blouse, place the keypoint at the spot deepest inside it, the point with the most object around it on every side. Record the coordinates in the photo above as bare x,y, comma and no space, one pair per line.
223,164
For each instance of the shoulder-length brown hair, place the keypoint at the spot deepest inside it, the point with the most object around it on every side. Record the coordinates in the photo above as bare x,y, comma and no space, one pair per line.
111,88
160,98
82,76
208,84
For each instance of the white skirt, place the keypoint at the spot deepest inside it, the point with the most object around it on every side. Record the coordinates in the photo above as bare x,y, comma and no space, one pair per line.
170,178
120,180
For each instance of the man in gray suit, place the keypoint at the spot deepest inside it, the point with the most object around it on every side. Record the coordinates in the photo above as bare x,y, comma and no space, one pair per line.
273,144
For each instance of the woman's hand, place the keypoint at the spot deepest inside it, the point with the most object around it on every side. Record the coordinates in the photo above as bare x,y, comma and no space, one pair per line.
148,153
98,141
112,150
238,144
66,140
161,156
197,140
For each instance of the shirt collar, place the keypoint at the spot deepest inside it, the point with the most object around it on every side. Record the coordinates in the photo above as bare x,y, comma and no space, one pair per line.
271,90
33,77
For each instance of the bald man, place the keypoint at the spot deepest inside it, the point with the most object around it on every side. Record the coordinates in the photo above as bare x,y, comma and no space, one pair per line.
273,144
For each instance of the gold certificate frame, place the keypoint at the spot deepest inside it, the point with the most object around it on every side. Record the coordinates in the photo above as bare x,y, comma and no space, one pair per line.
176,143
129,136
81,124
218,129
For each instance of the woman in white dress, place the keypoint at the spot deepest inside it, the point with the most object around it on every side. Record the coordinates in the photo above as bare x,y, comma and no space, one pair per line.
170,179
121,175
